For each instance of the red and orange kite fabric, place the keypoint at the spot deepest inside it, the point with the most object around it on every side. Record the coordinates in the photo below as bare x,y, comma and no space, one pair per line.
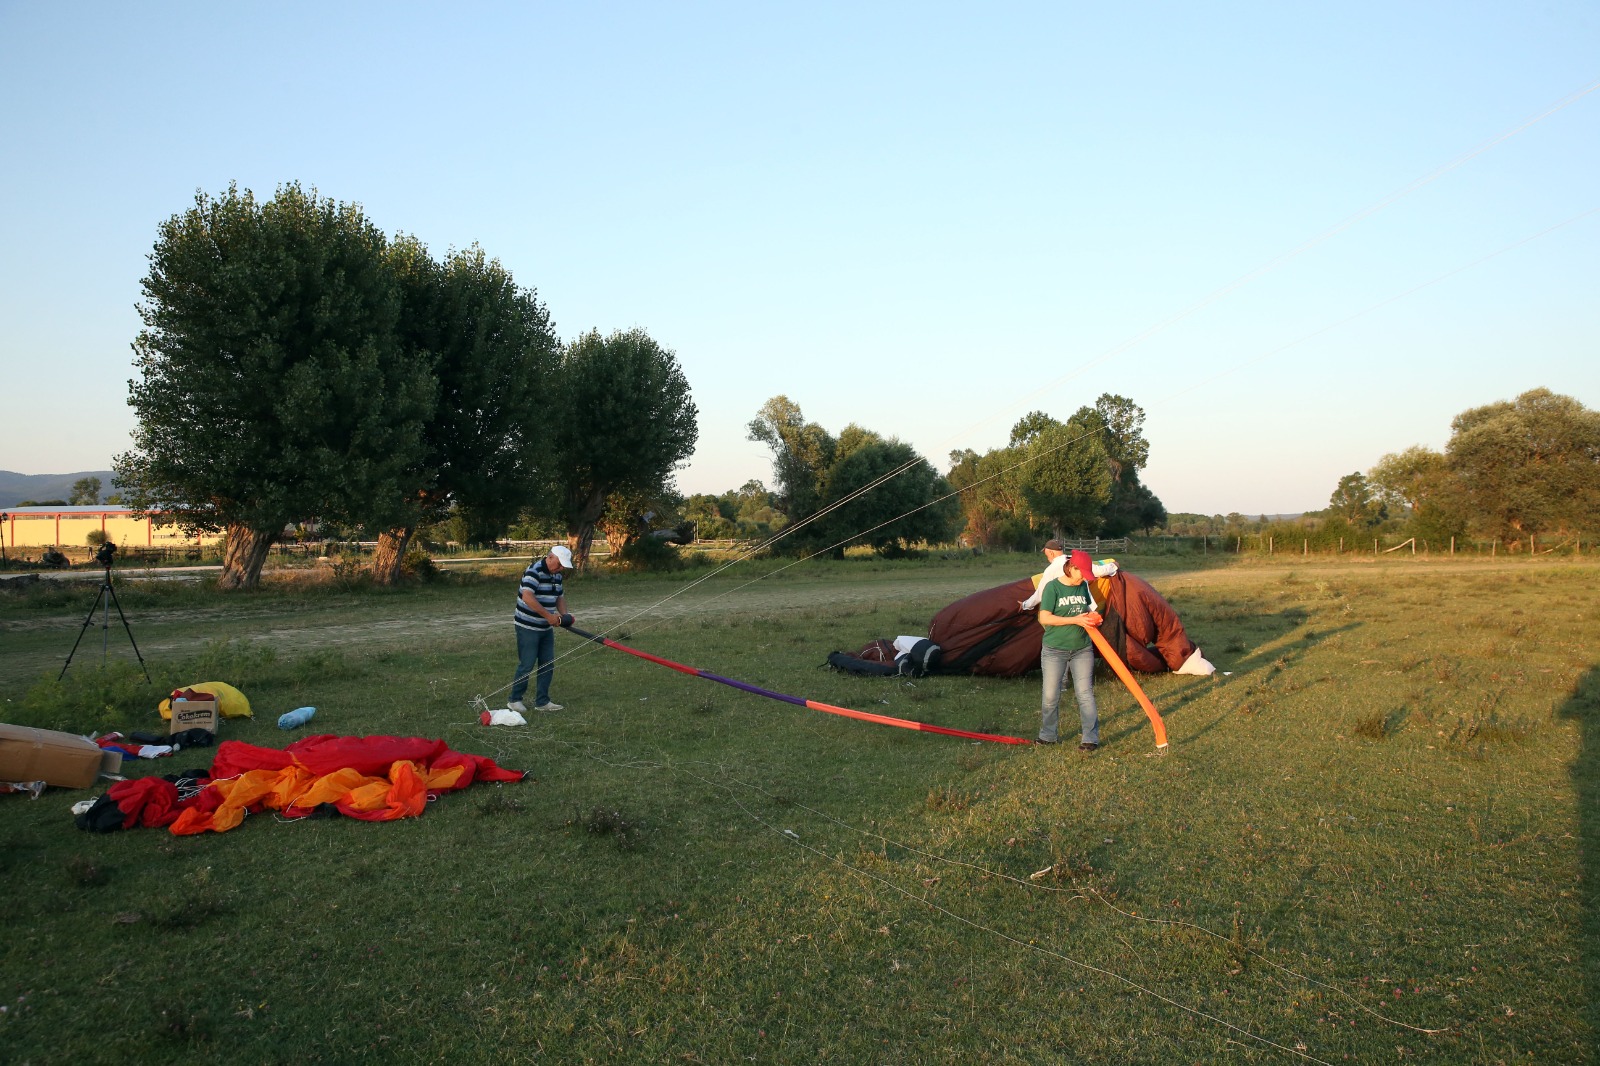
376,779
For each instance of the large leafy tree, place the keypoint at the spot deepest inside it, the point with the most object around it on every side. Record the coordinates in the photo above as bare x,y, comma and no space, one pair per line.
1120,423
85,490
1068,478
1418,481
616,417
1528,467
493,351
991,496
1047,473
802,453
885,495
856,488
272,385
1132,506
1413,478
1356,501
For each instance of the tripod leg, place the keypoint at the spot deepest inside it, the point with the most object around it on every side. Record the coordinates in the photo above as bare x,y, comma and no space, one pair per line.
128,630
84,629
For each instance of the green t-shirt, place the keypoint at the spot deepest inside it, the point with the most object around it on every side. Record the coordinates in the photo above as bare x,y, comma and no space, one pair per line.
1065,601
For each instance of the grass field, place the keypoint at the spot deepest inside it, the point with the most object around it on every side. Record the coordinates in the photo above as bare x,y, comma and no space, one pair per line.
1375,838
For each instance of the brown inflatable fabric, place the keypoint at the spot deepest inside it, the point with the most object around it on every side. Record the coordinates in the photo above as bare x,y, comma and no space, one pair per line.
987,633
1136,616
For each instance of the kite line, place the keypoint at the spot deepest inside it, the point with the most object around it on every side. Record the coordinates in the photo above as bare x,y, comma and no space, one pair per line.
815,705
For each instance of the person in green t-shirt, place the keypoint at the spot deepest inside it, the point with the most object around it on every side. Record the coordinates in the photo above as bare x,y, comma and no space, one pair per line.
1065,610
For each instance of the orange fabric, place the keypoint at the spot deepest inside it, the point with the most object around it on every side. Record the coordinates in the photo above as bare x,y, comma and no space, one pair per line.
1123,672
331,788
371,778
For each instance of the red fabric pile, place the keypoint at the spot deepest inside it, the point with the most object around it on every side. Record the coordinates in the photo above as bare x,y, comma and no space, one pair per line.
372,778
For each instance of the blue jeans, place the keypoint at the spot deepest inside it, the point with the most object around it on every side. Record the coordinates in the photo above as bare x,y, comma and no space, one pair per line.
536,649
1055,663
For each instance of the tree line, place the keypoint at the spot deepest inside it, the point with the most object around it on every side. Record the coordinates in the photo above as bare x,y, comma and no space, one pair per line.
1076,478
1512,471
1072,478
295,364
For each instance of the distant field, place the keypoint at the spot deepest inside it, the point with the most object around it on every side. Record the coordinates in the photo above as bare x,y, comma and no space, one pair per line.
1381,822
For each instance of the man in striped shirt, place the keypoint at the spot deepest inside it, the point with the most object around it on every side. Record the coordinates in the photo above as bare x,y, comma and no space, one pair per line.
541,606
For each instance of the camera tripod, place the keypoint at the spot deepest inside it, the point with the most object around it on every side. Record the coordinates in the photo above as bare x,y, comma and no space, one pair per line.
107,597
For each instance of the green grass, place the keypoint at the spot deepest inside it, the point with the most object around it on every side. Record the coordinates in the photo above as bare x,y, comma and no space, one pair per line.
1382,820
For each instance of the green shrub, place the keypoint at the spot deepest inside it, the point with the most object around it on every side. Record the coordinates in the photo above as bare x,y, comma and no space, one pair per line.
418,564
91,699
648,554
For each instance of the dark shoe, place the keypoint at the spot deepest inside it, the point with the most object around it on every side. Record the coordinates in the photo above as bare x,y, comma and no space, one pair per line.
1041,740
1088,749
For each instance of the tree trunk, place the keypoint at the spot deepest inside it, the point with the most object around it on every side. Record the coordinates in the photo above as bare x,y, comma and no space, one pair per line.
617,540
390,554
247,550
580,540
580,527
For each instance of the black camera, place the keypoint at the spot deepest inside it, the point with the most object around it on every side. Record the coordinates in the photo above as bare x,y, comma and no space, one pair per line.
107,554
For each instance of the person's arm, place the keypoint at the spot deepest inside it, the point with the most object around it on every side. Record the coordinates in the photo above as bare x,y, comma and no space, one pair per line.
1087,619
1057,567
553,617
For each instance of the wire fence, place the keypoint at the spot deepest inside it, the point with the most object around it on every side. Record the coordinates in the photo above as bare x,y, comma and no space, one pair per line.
1383,544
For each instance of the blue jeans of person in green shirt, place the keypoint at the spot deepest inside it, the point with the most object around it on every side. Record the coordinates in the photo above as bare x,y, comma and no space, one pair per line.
1056,663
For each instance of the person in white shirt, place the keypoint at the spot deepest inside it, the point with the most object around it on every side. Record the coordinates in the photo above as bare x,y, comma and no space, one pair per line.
1055,554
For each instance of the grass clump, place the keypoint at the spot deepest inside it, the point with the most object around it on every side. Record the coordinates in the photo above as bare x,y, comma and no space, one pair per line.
624,831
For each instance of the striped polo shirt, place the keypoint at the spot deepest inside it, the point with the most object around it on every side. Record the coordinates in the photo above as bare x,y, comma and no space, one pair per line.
546,589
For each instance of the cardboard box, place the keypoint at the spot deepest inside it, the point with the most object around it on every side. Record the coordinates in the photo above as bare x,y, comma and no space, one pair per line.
61,759
194,714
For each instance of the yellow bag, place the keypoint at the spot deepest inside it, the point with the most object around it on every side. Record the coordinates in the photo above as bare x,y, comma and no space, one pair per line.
231,703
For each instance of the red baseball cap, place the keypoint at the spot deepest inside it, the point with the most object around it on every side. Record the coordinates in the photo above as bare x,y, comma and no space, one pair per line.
1080,559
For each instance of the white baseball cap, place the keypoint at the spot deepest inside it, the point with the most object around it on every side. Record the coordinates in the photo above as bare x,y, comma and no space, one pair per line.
563,556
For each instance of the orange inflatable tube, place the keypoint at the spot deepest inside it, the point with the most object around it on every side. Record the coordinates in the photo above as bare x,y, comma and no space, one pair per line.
1133,686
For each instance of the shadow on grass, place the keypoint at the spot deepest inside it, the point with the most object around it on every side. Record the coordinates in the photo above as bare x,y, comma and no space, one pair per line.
1266,630
1584,707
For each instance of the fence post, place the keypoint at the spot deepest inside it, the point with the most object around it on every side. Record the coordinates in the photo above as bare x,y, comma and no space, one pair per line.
1374,547
1494,547
1452,544
1305,548
1269,545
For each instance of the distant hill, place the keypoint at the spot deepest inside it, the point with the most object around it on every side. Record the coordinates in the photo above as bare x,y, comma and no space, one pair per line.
14,487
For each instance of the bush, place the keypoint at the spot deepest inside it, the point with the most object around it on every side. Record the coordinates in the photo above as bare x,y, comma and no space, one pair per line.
418,564
648,554
91,698
95,538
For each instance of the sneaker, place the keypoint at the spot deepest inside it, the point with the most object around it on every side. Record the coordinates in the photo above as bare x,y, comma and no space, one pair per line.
549,707
1042,740
518,706
1088,749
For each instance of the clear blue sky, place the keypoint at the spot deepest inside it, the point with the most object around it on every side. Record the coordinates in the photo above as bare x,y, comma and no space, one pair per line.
926,219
